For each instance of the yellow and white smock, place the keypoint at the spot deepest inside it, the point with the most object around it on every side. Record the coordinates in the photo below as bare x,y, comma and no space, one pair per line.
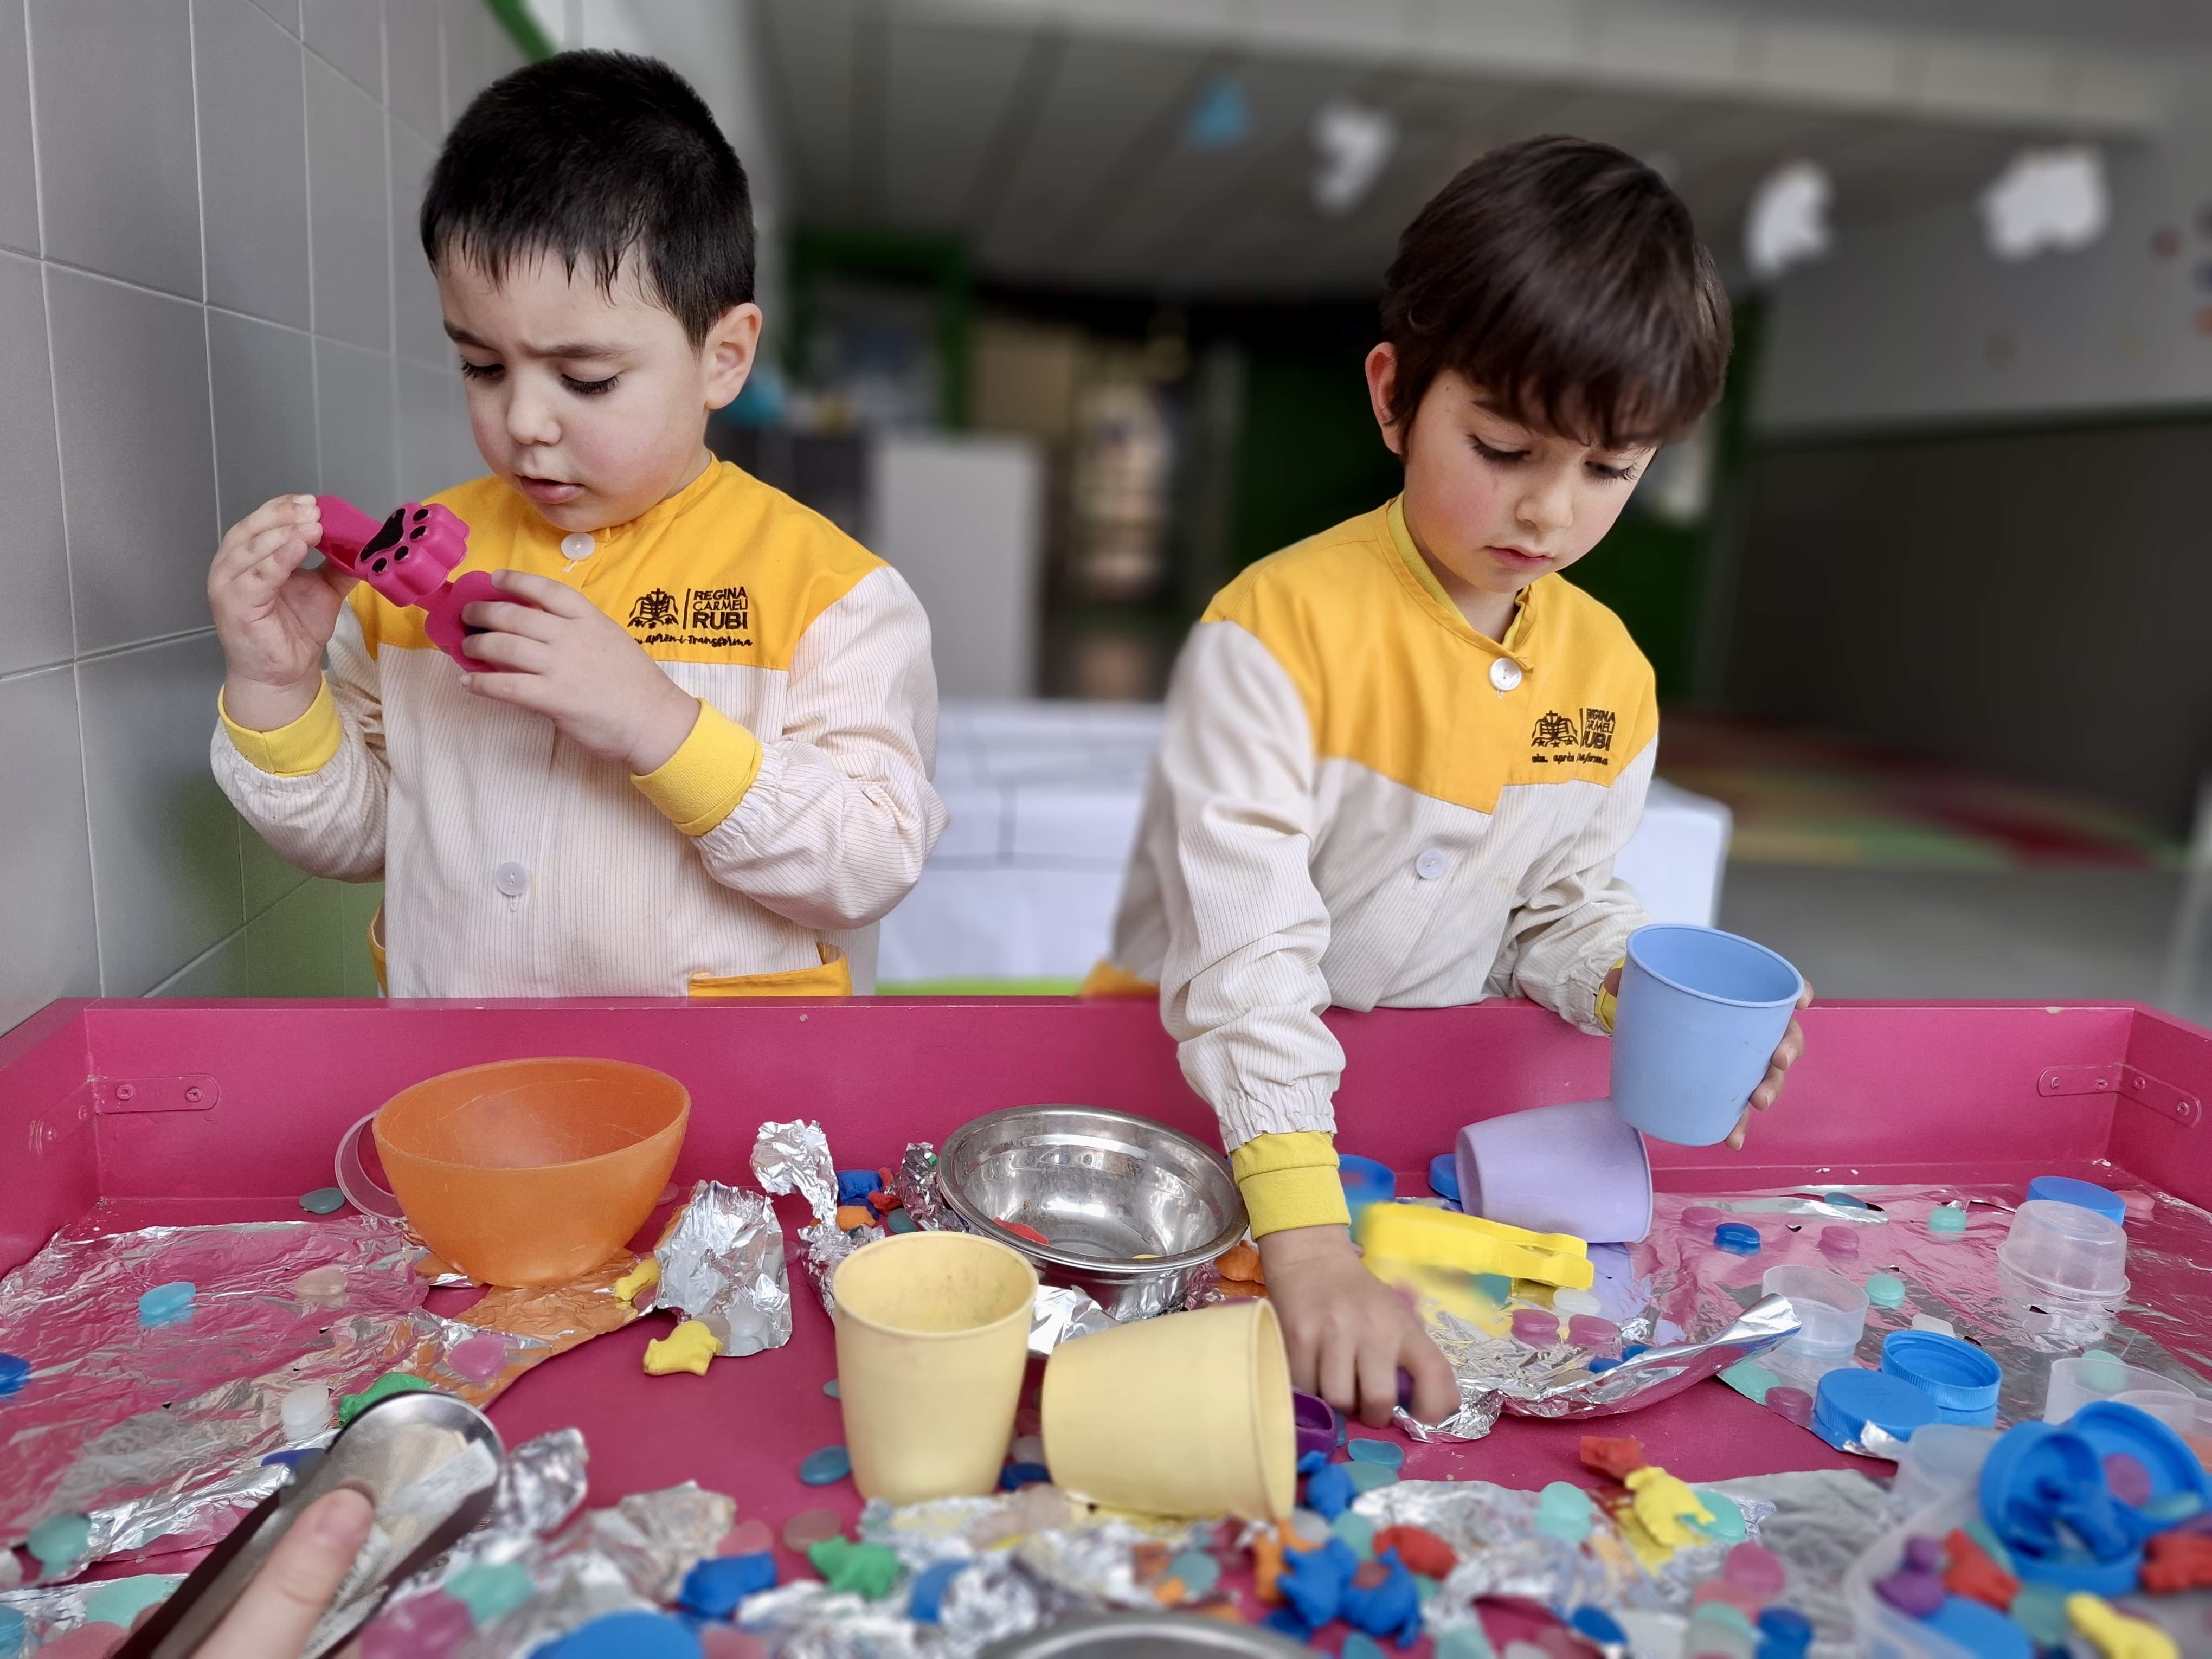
515,863
1360,800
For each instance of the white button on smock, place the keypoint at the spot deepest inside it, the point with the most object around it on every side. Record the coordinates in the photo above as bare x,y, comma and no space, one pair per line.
512,879
1504,673
1432,864
578,546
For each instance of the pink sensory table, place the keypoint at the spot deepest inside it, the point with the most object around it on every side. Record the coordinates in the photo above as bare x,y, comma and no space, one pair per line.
178,1112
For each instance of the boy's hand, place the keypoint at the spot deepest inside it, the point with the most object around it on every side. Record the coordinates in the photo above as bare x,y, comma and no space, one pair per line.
272,617
1787,1053
576,665
1348,1333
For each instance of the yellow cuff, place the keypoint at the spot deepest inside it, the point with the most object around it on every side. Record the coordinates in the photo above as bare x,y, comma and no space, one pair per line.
290,751
1607,1002
702,783
1289,1181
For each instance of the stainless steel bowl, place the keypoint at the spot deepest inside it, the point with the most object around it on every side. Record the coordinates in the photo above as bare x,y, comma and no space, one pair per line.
1131,1206
1147,1635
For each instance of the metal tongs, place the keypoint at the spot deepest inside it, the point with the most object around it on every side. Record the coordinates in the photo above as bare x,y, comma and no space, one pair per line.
429,1462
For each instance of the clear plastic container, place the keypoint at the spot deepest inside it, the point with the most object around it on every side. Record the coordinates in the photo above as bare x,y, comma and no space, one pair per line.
1831,1309
1941,1462
2066,1248
2078,1379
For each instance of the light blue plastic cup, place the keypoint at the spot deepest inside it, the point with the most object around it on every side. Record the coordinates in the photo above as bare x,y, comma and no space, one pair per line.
1696,1021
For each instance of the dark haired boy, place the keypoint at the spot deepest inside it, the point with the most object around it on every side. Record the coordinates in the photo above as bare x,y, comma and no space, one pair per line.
1400,756
700,748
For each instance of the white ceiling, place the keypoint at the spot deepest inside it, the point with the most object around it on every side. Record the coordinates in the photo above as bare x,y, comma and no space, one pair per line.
1050,133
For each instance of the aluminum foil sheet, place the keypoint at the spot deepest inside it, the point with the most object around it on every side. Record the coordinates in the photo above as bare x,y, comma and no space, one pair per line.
1498,1373
2164,1325
540,1486
721,1263
160,1435
52,1611
630,1557
1503,1554
1062,1314
795,1158
1819,1522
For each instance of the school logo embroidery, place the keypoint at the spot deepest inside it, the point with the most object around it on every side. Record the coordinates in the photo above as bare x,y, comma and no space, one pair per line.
716,616
1558,740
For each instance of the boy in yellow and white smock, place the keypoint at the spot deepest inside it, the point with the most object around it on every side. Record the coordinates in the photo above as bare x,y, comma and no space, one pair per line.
1399,758
697,756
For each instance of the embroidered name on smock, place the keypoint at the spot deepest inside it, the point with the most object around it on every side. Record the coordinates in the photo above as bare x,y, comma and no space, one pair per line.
1584,741
718,617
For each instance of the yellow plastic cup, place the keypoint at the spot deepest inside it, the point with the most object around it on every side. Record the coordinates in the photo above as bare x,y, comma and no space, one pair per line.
1187,1414
933,1335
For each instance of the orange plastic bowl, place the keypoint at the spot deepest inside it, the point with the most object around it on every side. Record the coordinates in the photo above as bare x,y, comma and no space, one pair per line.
532,1172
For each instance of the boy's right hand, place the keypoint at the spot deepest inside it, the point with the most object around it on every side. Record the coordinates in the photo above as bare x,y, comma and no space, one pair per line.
273,618
1348,1333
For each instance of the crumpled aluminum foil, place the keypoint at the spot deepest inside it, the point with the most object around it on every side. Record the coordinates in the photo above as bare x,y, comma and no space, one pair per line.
1062,1314
541,1485
630,1557
160,1434
2164,1326
52,1611
721,1263
795,1158
915,1180
1503,1554
1819,1522
1497,1374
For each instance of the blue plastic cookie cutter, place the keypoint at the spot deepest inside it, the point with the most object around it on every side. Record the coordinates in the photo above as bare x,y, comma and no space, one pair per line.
2044,1493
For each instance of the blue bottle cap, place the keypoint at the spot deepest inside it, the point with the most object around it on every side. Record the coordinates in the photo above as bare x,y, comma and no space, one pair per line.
1956,1375
1736,1239
1850,1399
2065,1189
1444,1176
1981,1630
2112,1428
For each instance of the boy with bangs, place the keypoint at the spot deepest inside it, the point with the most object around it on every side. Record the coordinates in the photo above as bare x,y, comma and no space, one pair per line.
1400,756
696,755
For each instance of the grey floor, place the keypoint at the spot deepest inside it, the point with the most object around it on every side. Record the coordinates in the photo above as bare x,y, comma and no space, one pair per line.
2060,934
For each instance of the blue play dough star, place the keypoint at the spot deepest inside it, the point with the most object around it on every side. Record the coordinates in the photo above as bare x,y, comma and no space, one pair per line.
1314,1582
853,1186
1391,1608
1328,1488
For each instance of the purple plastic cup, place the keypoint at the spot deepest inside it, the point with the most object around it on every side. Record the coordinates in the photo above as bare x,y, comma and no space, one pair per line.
1574,1168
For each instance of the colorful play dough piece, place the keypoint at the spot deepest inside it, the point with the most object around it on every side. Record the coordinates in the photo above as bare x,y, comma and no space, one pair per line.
491,1590
1666,1507
851,1217
868,1570
626,1636
479,1357
14,1372
1388,1453
167,1305
689,1347
1563,1511
59,1540
715,1586
825,1466
351,1405
640,1278
1727,1525
926,1601
324,1200
425,1626
119,1601
1198,1572
809,1528
1022,1229
1885,1290
899,1221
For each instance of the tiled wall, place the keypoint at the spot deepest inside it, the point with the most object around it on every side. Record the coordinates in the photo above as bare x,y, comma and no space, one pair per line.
210,293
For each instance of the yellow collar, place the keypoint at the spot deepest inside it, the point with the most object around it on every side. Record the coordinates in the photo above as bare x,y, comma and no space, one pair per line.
1516,631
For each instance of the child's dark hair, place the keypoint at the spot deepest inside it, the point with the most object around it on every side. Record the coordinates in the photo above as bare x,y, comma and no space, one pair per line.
1566,280
596,157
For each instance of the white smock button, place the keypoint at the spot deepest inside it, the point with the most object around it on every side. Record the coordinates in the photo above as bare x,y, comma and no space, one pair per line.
1432,864
1504,673
512,879
578,546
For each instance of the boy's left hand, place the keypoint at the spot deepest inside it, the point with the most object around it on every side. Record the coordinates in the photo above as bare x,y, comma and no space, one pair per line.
1786,1054
571,662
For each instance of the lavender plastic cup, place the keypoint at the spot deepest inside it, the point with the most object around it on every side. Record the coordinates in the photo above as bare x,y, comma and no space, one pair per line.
1575,1167
1700,1017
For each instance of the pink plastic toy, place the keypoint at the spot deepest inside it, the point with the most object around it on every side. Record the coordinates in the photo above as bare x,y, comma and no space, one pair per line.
408,558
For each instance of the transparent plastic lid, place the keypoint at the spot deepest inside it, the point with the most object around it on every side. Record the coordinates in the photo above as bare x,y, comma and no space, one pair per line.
2067,1247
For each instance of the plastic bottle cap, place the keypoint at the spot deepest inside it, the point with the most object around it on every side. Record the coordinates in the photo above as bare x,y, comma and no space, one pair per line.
1948,1218
1849,1402
1388,1453
1956,1375
1366,1176
14,1372
1736,1239
1885,1290
1444,1176
324,1200
2065,1189
1840,1240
